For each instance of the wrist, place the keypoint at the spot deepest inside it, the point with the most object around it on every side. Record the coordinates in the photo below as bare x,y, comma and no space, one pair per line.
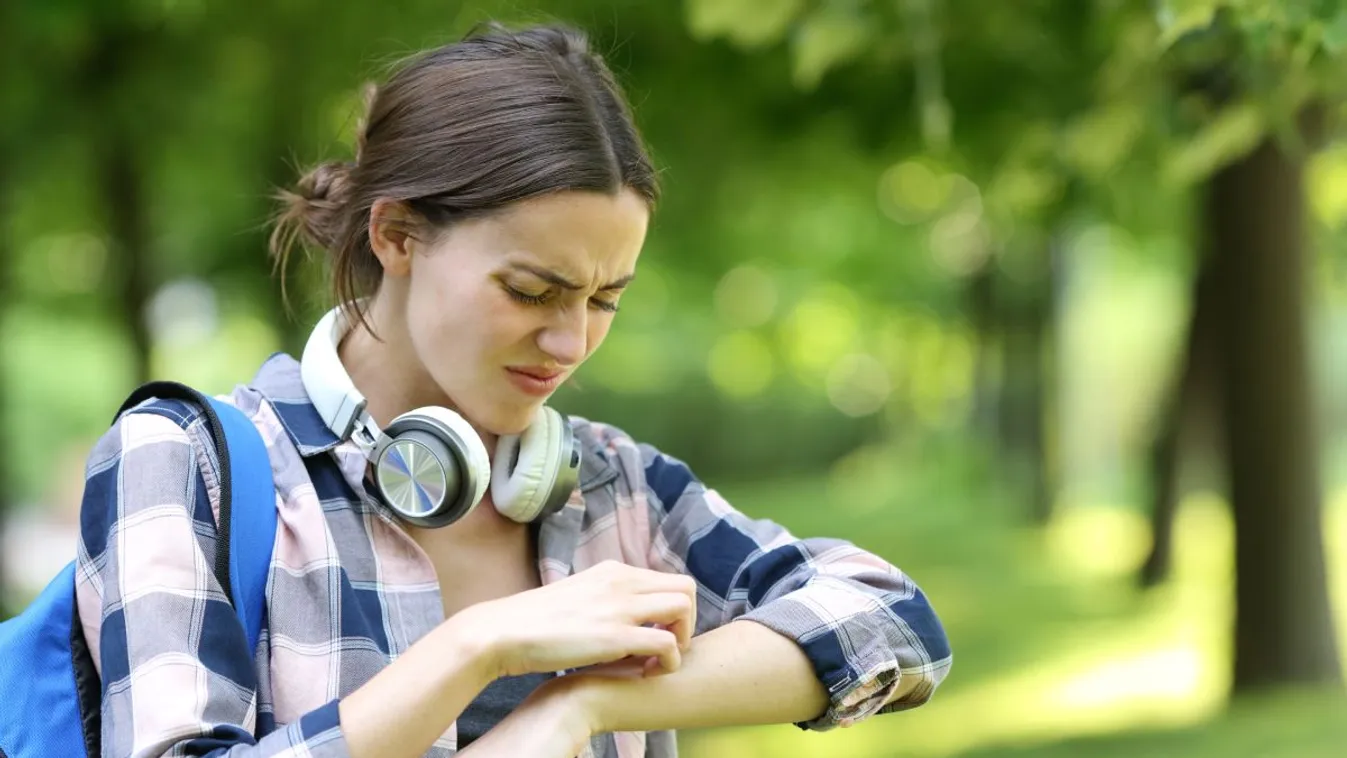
465,639
588,698
575,704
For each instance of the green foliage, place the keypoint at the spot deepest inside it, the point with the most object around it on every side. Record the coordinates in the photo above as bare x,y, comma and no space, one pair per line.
891,151
1183,88
831,34
748,23
222,104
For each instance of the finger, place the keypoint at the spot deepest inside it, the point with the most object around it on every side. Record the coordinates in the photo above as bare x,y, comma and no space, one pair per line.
646,642
681,631
652,668
631,667
686,626
672,611
637,579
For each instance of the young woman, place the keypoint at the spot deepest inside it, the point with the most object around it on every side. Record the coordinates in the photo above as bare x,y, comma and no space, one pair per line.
459,569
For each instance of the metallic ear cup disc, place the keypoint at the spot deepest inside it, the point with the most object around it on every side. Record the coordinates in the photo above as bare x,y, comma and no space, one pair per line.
417,477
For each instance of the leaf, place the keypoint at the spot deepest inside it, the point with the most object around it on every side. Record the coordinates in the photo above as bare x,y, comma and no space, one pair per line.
1098,141
1232,133
1018,192
747,23
1327,184
1178,17
1334,34
829,36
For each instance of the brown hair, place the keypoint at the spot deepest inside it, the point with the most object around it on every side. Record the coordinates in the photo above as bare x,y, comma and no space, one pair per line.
461,131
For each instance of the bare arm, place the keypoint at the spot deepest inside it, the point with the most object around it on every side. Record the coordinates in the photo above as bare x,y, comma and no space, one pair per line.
739,674
595,616
410,703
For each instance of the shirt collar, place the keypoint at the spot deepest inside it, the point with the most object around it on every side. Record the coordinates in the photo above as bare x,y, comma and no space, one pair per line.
279,383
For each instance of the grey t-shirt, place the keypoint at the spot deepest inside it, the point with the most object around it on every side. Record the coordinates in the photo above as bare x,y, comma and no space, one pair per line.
495,703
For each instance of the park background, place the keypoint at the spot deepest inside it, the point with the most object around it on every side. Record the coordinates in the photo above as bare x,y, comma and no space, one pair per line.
1042,300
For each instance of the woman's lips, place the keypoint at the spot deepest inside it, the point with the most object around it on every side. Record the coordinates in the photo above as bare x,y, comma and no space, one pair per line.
535,382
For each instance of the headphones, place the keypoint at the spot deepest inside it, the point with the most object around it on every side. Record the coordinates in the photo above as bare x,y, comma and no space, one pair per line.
430,466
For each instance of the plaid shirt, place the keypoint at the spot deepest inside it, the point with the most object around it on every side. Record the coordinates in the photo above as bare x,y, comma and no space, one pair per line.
348,592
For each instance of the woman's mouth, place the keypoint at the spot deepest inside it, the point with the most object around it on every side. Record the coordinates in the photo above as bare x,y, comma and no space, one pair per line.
535,381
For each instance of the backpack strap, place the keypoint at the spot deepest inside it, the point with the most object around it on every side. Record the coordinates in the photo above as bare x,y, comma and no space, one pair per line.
247,528
252,518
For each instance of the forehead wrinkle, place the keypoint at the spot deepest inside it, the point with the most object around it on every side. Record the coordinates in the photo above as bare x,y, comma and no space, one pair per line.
562,280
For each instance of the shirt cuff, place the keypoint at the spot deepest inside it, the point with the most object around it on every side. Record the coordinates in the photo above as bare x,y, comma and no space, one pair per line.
852,658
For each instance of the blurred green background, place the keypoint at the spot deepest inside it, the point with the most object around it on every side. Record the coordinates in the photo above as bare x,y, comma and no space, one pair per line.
1043,301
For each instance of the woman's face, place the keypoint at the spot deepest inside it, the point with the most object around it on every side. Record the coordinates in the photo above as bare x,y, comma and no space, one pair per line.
501,310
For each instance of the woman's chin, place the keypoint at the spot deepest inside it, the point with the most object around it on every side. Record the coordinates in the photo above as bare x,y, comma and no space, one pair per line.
507,420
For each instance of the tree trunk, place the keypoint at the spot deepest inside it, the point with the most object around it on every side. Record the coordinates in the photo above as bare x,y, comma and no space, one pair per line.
106,83
286,36
14,123
6,297
1026,315
1283,631
124,198
980,304
1189,389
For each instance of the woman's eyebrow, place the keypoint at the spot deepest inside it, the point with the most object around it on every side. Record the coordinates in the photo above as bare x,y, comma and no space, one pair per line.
552,277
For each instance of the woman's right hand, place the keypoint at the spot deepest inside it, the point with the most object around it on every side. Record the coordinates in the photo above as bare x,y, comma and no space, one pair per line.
604,614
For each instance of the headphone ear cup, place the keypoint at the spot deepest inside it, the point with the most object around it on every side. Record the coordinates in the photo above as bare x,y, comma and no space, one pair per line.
420,478
524,476
431,468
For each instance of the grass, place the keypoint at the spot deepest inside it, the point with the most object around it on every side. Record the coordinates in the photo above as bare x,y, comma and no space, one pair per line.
1291,725
1056,653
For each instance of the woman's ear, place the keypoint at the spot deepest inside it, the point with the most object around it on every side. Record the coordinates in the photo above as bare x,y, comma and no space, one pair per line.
390,236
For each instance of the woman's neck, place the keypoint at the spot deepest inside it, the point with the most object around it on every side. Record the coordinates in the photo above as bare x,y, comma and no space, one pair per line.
388,373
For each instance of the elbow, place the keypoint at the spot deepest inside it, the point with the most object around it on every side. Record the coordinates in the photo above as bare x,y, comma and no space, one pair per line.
925,658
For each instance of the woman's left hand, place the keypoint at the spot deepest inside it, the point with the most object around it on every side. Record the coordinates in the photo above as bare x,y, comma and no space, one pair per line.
553,722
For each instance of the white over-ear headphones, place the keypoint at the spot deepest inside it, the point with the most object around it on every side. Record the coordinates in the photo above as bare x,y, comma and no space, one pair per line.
430,466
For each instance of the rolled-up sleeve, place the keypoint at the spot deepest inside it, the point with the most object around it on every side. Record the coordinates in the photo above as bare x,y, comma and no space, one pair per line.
874,640
177,676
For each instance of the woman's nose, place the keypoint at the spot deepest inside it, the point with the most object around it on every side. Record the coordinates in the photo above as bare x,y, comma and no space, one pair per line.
565,338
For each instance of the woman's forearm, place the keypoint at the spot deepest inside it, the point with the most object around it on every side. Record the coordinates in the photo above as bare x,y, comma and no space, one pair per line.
407,706
740,674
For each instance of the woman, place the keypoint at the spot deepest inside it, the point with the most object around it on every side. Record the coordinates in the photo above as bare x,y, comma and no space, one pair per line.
595,597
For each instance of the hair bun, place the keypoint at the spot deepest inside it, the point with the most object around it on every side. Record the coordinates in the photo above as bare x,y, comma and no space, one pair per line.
314,212
326,183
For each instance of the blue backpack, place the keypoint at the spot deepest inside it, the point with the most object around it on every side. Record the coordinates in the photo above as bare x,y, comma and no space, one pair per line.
50,693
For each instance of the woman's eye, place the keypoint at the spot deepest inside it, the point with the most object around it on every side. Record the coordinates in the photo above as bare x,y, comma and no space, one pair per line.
608,306
525,297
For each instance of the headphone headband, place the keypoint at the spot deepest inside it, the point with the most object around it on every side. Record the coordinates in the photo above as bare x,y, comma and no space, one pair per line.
330,388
